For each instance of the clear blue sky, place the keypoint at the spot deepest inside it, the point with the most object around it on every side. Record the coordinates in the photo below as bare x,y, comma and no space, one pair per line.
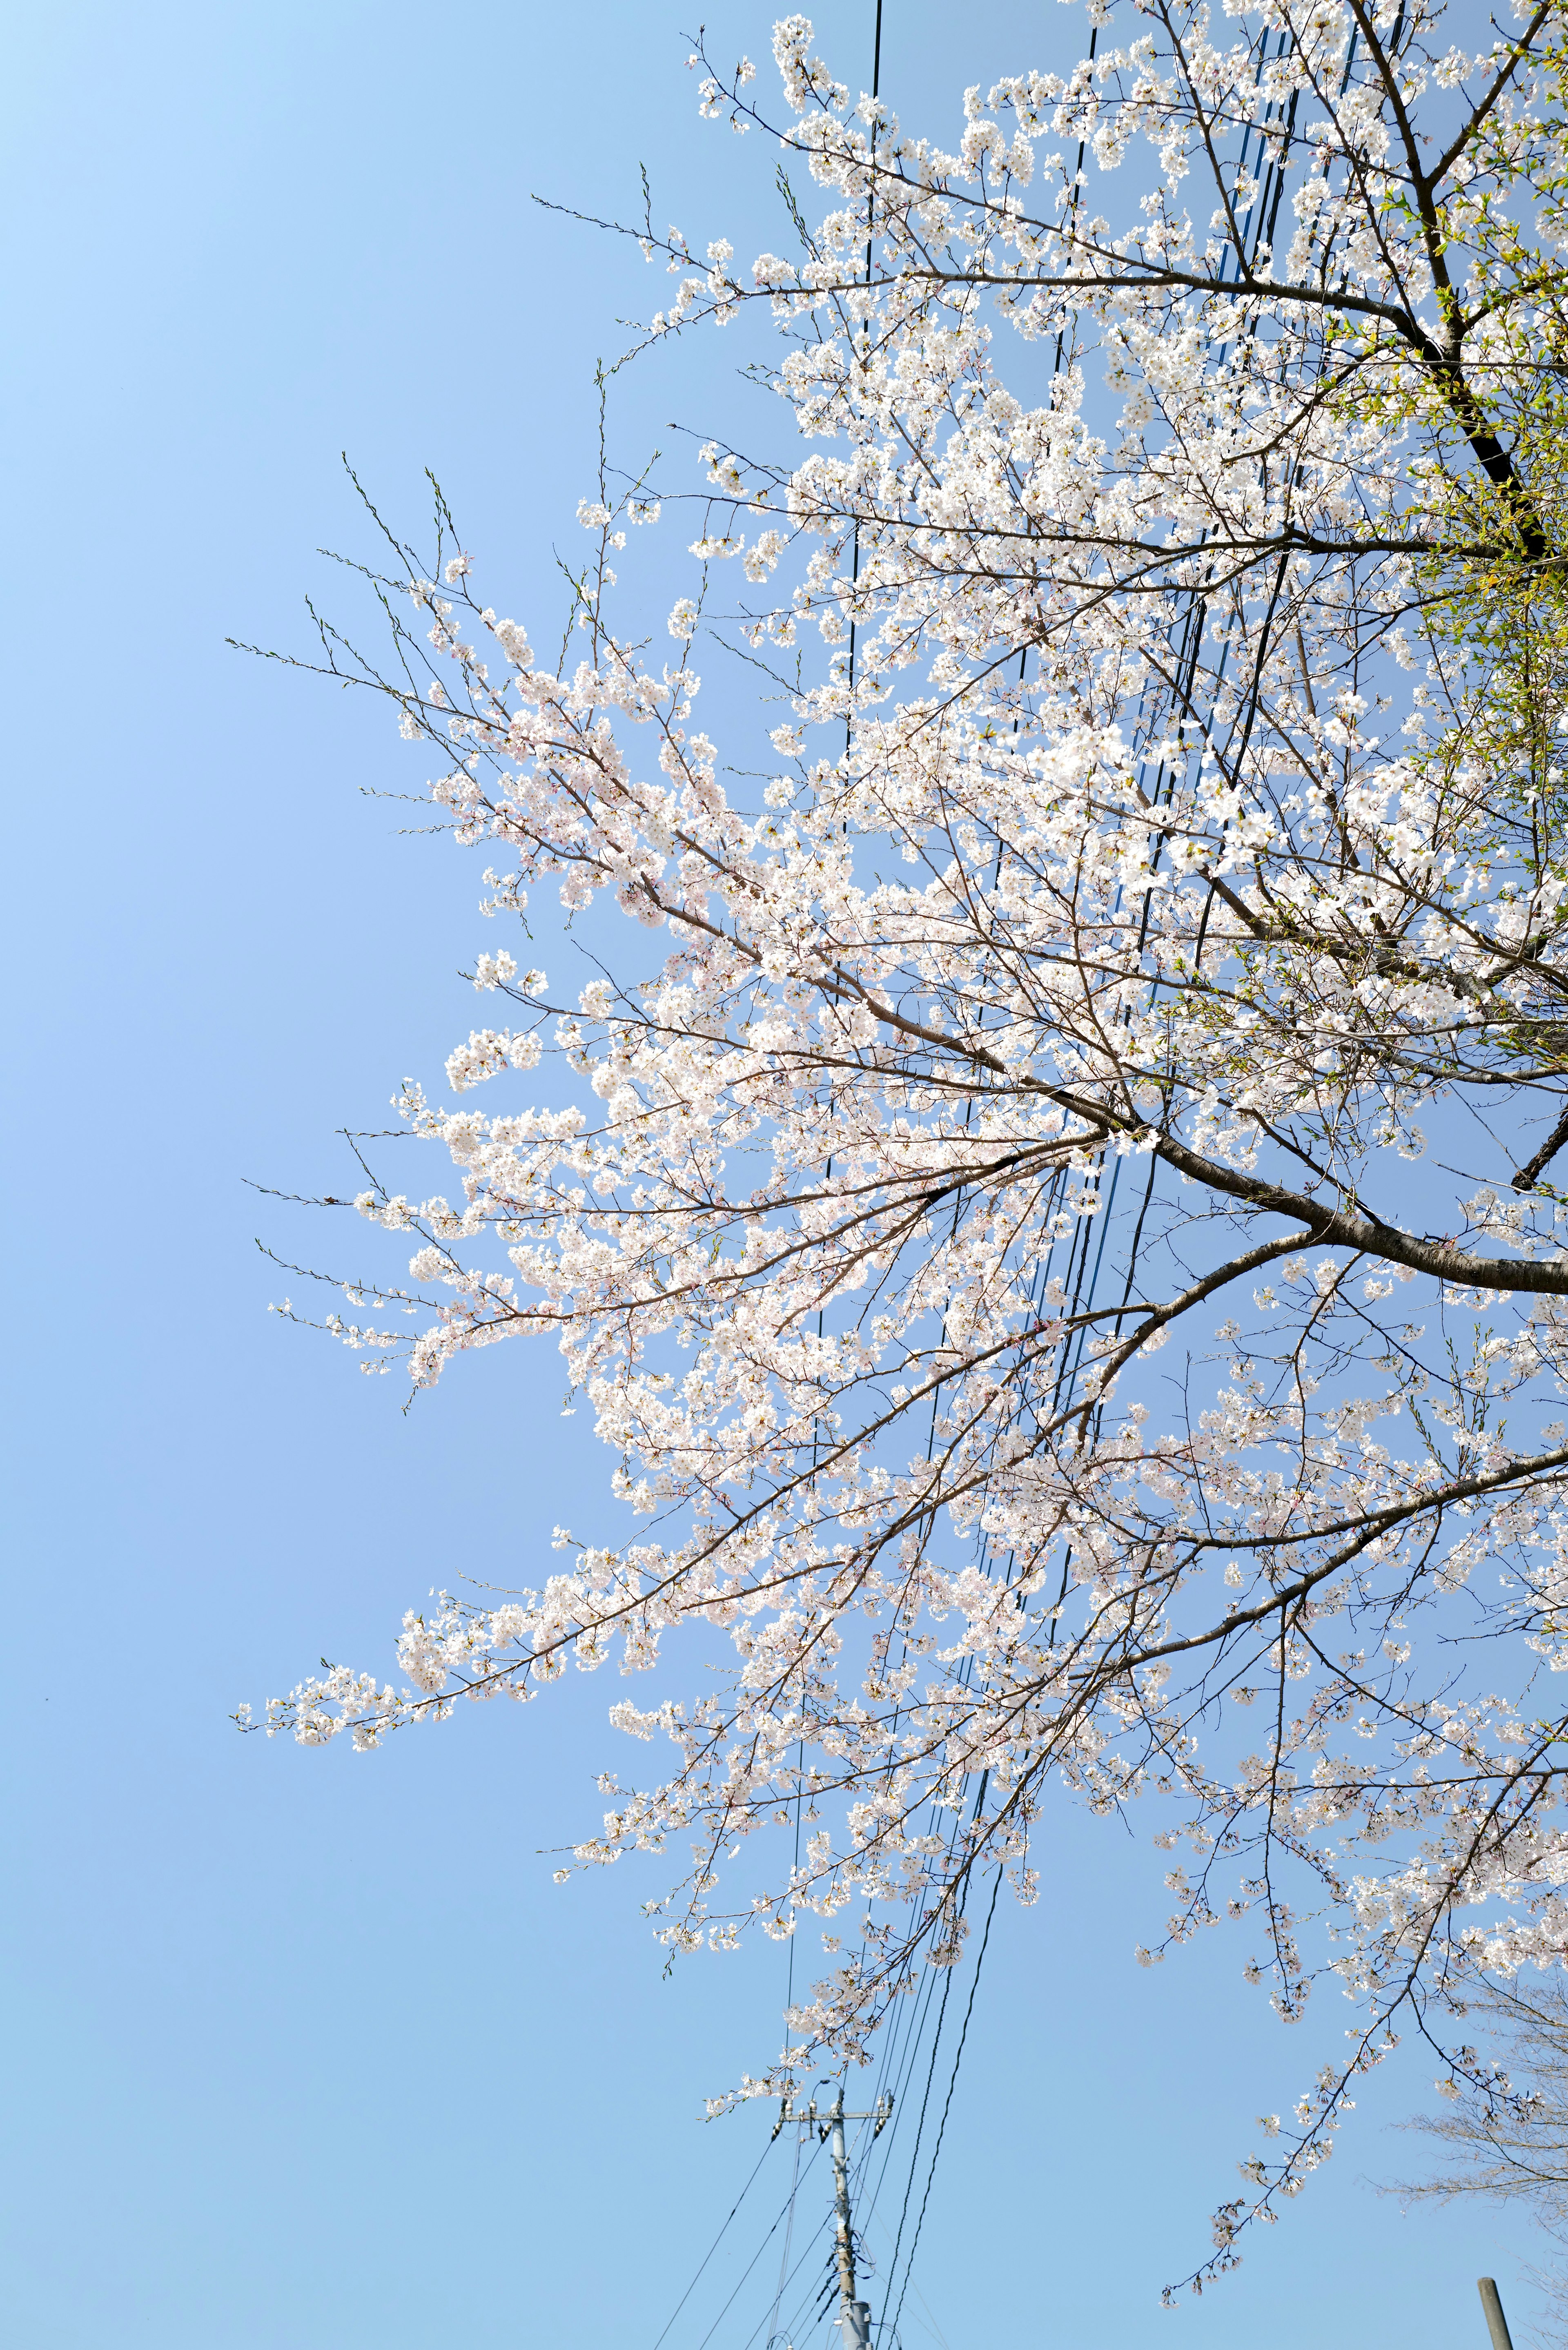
307,2049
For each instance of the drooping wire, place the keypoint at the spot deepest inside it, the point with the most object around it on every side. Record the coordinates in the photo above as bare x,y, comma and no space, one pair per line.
786,2210
948,2105
1188,655
818,2234
919,2134
906,2034
789,2237
715,2245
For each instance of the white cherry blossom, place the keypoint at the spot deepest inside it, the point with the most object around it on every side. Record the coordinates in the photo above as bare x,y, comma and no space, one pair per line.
1005,1229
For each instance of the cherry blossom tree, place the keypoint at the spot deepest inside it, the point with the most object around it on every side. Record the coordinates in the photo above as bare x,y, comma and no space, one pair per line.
1049,1199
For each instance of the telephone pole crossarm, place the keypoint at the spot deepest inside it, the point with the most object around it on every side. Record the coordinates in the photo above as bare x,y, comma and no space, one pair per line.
881,2113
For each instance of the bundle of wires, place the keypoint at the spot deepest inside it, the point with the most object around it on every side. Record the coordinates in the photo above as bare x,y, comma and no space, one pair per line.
922,2045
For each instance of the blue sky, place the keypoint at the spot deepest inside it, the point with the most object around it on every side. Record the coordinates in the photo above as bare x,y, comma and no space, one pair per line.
303,2048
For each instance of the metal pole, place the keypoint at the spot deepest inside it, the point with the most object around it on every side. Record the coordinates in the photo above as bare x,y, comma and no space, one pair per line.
841,2208
854,2316
1496,2323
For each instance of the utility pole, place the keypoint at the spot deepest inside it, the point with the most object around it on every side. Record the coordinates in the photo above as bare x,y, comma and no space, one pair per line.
1496,2323
854,2314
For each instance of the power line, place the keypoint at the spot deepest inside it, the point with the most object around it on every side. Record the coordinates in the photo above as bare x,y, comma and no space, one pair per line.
789,2237
745,2272
715,2245
907,2032
952,2085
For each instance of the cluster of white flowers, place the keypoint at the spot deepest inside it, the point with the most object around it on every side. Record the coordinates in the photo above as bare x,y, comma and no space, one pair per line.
1194,849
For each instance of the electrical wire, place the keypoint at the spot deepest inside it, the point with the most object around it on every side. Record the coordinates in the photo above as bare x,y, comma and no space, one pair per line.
789,2237
787,2208
715,2245
946,2109
906,2034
